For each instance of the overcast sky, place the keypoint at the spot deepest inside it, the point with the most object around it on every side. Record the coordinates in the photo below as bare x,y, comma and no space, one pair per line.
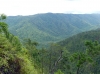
30,7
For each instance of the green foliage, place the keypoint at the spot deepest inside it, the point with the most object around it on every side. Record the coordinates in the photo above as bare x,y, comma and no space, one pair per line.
93,50
59,72
13,57
34,53
2,16
3,28
27,66
6,54
79,60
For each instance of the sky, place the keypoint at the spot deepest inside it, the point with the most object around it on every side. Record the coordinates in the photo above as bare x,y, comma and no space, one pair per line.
31,7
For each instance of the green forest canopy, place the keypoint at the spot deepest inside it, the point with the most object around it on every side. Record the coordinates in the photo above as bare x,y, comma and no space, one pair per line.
16,58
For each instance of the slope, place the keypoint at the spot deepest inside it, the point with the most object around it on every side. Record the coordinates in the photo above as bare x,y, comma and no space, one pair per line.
51,27
76,43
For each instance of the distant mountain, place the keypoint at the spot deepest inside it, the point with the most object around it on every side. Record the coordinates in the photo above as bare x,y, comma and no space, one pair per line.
51,27
77,42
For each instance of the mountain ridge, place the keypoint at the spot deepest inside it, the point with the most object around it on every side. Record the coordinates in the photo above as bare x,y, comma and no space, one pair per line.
51,27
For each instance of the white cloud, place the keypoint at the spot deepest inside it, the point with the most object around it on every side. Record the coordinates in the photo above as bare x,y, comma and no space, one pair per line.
29,7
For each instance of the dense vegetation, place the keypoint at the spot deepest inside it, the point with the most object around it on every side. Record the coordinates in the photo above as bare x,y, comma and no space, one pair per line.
50,27
14,58
77,42
57,60
79,54
61,60
75,55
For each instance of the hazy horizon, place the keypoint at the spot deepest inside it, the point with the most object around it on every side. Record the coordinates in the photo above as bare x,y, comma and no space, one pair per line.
53,13
31,7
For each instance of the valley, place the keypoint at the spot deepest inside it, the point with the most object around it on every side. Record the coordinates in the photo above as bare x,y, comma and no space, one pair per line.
50,27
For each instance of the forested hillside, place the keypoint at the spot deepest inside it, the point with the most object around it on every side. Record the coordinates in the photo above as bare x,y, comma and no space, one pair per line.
77,42
51,27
